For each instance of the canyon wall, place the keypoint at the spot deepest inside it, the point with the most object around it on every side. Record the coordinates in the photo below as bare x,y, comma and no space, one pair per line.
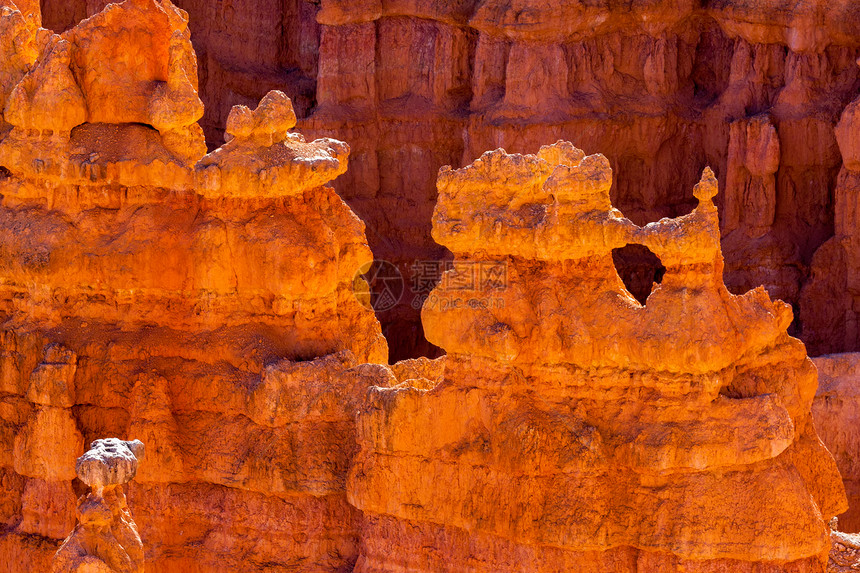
208,304
662,88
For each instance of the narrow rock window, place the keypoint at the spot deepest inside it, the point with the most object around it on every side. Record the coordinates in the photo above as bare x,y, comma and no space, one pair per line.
639,268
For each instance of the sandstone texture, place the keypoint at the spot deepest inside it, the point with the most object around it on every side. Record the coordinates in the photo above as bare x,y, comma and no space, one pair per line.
106,538
845,553
207,299
753,88
575,429
837,417
200,303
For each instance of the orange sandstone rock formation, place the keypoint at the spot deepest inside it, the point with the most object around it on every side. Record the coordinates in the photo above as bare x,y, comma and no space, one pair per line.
202,304
574,428
106,539
663,88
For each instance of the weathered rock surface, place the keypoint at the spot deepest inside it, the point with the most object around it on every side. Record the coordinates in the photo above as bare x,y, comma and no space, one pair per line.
200,303
845,553
108,462
837,418
573,427
106,539
204,303
830,299
753,88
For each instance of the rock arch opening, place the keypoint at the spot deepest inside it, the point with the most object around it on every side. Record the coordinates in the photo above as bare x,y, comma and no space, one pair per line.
639,268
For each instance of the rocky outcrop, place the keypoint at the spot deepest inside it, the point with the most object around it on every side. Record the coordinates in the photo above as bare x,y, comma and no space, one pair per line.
836,411
106,538
574,428
413,86
845,553
206,303
201,303
753,88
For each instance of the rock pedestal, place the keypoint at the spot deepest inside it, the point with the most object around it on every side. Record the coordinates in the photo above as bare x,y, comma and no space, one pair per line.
106,539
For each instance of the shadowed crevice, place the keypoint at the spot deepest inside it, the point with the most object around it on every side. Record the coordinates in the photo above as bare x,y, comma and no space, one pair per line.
639,268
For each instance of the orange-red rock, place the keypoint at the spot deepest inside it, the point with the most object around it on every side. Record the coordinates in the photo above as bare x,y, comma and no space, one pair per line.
573,427
106,539
830,313
203,304
836,411
412,86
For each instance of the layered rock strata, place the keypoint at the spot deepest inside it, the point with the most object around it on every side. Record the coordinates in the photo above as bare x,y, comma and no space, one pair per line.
754,89
751,88
574,428
662,88
106,538
201,303
205,304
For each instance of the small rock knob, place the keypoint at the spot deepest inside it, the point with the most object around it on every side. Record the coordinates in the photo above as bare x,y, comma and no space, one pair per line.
109,462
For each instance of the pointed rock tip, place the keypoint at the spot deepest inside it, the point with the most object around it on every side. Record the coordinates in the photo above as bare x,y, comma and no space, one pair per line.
707,187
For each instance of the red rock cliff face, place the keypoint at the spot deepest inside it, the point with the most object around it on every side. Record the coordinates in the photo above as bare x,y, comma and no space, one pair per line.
206,305
203,304
663,88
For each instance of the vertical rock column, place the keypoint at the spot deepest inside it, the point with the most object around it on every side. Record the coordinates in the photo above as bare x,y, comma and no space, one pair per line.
830,302
45,449
753,160
106,538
